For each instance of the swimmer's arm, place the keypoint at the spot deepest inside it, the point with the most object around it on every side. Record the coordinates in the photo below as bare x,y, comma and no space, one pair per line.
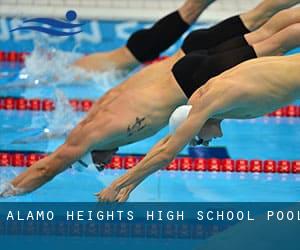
160,156
47,168
39,174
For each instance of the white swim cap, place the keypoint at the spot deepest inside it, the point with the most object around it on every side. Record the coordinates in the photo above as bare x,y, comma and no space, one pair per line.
178,117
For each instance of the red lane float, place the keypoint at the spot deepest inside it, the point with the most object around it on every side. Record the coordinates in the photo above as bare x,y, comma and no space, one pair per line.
12,103
289,111
241,166
13,56
270,166
19,57
21,159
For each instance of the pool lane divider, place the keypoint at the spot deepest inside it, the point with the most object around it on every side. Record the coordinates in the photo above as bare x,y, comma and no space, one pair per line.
84,105
183,163
13,56
19,57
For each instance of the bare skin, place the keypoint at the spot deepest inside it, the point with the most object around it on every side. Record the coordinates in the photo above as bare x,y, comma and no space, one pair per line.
113,121
258,16
265,36
278,22
132,111
122,59
276,83
279,43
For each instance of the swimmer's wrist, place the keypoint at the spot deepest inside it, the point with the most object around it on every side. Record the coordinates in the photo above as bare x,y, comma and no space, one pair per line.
125,181
116,186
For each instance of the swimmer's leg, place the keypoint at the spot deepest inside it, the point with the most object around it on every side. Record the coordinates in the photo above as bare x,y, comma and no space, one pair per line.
280,21
279,43
229,34
256,17
151,41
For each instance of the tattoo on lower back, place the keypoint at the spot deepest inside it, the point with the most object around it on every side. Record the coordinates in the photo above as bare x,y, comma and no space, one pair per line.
137,126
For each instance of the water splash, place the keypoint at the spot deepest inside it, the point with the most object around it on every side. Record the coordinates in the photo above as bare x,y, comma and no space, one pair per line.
8,190
48,66
59,122
63,119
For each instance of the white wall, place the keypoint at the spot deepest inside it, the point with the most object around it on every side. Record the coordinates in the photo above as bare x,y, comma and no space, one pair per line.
117,9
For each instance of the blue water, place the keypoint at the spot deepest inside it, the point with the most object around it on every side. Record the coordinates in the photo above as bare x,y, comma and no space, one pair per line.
264,138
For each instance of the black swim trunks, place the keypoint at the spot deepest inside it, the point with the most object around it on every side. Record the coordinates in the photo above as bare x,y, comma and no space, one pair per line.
195,69
205,39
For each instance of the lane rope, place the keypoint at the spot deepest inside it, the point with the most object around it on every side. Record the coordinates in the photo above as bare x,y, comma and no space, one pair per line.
84,105
19,57
26,159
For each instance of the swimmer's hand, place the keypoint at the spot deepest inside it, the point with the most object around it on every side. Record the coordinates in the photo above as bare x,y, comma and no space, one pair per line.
109,194
124,194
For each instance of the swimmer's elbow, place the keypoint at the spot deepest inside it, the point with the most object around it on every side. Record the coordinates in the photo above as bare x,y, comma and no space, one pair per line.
48,171
45,173
166,157
61,159
167,152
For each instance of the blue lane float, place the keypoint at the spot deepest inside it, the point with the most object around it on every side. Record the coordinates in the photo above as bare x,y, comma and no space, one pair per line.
209,152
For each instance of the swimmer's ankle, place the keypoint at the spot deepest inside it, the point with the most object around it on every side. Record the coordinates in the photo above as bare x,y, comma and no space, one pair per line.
252,21
191,9
258,16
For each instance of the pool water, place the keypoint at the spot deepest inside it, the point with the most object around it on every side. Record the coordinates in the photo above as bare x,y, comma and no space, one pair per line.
263,138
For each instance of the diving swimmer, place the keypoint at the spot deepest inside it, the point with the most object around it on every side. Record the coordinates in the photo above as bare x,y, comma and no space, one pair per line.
276,83
136,109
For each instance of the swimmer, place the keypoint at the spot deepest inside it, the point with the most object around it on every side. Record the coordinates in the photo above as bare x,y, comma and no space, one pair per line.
278,22
147,44
138,108
276,83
